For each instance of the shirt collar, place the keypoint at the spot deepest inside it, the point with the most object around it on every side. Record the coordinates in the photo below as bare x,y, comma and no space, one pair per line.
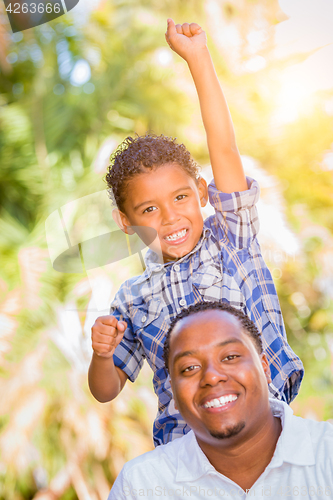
154,262
192,462
294,446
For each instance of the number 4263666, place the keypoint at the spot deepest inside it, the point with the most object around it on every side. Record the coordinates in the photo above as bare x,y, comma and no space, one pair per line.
32,8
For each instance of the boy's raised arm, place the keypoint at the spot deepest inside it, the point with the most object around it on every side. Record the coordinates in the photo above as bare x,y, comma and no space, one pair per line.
189,41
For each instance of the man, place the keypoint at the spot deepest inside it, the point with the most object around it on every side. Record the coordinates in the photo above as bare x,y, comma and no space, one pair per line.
242,444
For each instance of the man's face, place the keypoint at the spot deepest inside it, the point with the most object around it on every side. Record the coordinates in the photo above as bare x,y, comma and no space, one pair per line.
219,381
168,200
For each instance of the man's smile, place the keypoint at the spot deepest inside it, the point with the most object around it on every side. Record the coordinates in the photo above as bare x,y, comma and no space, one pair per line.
221,401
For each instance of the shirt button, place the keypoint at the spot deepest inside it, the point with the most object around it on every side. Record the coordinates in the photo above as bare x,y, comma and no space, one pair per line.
176,267
143,319
182,302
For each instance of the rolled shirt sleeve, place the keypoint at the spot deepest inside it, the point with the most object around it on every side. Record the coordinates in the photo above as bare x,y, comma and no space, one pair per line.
129,354
236,214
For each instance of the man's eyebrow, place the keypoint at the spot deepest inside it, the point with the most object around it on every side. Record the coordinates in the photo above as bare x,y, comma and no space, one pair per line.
184,354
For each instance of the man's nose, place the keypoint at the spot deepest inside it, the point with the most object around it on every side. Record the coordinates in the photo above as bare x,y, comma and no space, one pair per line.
213,374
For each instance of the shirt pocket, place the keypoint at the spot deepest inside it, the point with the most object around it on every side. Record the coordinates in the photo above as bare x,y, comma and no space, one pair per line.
215,285
208,281
145,314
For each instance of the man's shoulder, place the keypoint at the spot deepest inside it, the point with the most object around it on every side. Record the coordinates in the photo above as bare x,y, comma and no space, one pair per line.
321,432
316,429
302,430
158,458
320,435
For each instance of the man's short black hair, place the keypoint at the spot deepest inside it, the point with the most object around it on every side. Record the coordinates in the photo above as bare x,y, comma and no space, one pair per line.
247,324
136,155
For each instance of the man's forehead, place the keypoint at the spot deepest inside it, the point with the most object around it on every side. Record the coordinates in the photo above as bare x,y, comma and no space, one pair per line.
209,316
211,321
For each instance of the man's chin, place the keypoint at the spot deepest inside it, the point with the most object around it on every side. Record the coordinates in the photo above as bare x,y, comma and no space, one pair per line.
228,432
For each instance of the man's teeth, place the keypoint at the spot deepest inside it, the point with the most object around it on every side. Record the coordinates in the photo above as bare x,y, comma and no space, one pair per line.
176,236
218,402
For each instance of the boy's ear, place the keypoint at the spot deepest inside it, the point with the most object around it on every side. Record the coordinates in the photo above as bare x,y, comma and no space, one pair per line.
203,191
122,221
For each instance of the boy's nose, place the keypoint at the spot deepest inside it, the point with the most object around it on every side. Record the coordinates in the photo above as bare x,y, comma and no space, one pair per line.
169,216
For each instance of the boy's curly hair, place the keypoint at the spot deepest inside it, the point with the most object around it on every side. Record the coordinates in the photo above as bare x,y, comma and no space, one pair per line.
247,324
135,155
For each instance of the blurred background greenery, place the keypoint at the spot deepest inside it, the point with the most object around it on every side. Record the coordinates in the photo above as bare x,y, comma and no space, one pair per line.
70,91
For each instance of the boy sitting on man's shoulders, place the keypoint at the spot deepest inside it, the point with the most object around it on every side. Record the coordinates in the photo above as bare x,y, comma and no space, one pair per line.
155,183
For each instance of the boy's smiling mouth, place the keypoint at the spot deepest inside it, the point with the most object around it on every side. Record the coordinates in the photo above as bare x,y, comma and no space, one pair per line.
177,236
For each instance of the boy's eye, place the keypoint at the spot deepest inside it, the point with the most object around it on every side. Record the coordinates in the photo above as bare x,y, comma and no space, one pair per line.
149,209
180,197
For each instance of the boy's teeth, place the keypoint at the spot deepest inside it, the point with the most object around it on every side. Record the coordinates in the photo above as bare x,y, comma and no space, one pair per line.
176,236
218,402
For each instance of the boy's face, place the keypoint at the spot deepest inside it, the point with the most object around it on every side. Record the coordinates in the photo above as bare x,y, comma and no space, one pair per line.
168,200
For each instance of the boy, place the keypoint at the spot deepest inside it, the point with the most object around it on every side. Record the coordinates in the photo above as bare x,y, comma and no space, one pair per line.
155,184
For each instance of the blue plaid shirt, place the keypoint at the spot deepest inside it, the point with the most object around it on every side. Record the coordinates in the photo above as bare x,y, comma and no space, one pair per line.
226,265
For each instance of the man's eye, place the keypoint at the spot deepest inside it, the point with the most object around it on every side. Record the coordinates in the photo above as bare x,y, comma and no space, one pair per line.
180,197
190,368
230,357
149,209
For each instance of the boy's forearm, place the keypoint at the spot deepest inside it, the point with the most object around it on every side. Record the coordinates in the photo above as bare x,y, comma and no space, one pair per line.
225,159
105,379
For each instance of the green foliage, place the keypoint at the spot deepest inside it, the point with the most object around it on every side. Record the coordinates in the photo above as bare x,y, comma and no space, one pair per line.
51,130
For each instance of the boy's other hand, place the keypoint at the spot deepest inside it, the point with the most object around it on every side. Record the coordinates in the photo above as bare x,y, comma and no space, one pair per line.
106,334
185,39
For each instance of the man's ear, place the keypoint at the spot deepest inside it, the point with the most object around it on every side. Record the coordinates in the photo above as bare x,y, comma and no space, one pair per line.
266,368
174,401
203,191
122,221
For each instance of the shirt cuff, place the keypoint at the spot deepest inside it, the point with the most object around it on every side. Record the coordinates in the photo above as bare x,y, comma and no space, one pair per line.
233,202
128,359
